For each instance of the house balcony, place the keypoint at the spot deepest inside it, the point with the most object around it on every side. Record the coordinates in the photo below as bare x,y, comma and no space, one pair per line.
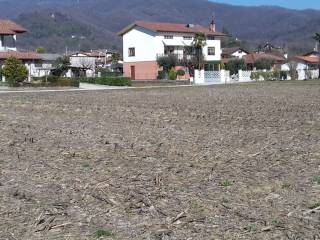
181,58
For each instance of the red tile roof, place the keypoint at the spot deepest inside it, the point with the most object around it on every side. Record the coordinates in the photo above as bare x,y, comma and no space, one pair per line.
252,57
170,27
308,59
6,31
20,55
8,27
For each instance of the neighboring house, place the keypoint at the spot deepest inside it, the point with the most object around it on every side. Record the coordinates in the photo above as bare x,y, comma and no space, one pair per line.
303,64
234,52
8,35
8,38
90,61
144,42
251,58
85,62
46,65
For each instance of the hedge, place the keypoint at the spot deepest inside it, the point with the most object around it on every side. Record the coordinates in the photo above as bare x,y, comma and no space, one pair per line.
111,81
54,81
269,75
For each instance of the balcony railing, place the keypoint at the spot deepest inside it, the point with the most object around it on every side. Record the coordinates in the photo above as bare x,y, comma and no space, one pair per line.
179,57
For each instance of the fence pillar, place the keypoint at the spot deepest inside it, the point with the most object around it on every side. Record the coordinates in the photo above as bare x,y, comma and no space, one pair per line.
2,78
223,76
240,73
199,76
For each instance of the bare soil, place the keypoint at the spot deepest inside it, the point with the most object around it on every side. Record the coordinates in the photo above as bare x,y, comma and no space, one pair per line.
226,162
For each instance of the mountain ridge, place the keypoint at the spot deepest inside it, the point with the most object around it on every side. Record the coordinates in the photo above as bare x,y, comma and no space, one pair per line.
105,18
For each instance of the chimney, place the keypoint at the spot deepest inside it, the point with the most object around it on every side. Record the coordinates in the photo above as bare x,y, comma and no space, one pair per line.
213,25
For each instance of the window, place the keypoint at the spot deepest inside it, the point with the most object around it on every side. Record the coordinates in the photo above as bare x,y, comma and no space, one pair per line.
187,37
210,37
211,51
132,52
168,36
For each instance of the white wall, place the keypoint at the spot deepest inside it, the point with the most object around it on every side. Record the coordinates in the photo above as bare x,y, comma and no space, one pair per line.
217,45
179,41
300,66
3,43
144,42
83,61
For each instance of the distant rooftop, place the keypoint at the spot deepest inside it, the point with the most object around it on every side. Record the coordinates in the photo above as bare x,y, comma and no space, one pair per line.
49,56
20,55
252,57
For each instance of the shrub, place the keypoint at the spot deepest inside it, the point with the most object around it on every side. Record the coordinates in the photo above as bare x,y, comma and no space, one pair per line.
62,65
235,65
276,74
167,62
107,73
111,81
14,71
54,81
172,74
264,63
266,76
181,72
161,75
283,75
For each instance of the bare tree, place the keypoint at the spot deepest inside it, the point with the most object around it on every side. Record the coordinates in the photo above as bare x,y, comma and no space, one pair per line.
293,70
86,63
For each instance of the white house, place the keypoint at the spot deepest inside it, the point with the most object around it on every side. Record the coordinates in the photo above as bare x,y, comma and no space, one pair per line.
307,66
45,66
8,37
84,61
90,61
144,42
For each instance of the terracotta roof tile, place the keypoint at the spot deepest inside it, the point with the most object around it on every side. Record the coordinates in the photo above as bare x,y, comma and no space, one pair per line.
308,59
8,27
171,27
6,31
20,55
252,57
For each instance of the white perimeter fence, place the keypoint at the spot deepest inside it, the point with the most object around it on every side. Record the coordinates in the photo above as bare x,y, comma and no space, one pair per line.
202,77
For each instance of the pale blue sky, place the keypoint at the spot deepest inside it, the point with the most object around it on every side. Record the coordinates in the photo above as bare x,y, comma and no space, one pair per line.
295,4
